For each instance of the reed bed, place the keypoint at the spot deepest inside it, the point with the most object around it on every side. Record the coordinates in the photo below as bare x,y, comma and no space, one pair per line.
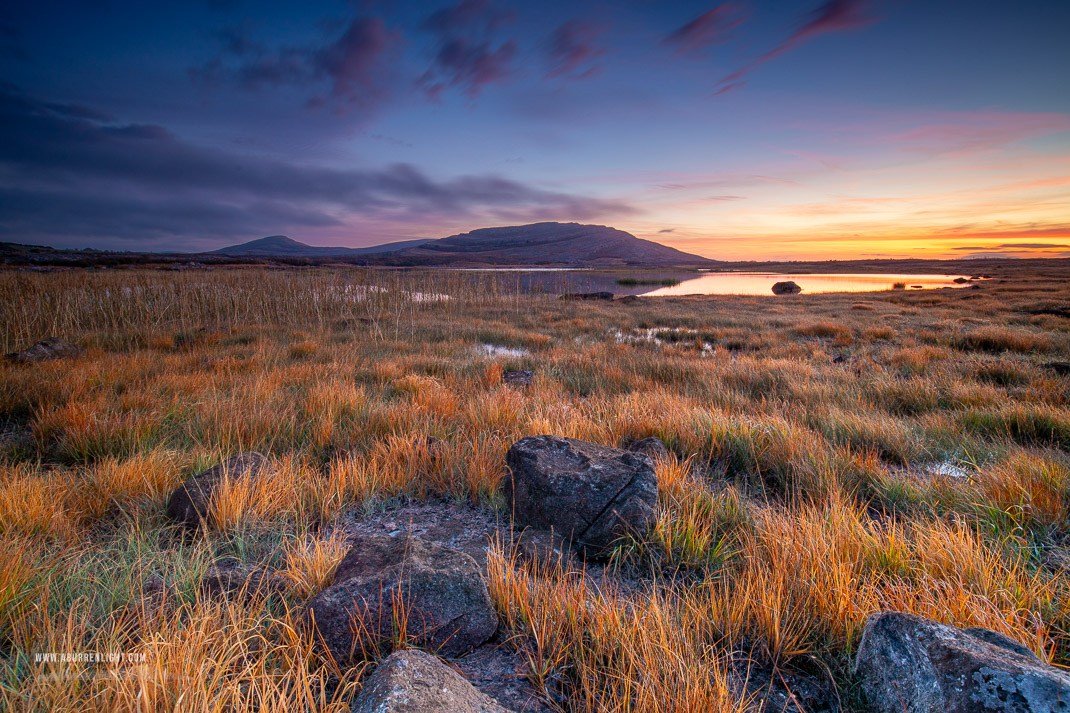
829,457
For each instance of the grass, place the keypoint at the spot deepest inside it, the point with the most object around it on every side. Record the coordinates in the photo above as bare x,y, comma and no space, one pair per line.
803,491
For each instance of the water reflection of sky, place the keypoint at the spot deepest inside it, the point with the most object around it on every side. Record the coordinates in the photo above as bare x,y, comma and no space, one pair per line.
754,283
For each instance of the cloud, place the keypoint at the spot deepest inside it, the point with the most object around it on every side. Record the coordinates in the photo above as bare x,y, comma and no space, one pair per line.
468,56
711,27
667,230
71,173
830,16
572,49
353,65
1018,246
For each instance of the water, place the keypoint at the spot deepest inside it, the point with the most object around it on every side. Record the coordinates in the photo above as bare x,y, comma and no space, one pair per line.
761,283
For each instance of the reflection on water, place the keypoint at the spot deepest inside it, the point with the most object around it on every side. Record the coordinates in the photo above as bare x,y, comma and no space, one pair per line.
761,283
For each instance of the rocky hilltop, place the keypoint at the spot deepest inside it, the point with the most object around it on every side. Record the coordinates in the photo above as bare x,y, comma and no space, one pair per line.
538,244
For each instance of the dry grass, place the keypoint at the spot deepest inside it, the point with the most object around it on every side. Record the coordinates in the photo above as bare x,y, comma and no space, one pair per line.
798,498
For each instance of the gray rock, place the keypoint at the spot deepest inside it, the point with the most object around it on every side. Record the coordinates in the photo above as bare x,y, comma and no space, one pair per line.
1059,367
518,378
786,288
412,681
590,494
47,350
241,582
652,446
540,550
189,503
907,664
440,591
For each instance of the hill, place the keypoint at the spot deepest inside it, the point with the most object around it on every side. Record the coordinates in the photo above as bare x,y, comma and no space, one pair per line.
567,244
282,246
559,244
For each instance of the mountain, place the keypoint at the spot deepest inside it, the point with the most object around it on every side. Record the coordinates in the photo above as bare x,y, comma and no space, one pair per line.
546,244
282,246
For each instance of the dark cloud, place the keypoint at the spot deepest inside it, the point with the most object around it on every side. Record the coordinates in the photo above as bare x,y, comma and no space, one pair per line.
354,64
830,16
667,230
572,49
468,56
711,27
75,174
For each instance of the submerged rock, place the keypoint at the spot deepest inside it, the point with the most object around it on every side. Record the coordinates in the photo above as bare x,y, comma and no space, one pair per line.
907,664
589,494
189,503
439,594
786,288
412,681
518,378
46,350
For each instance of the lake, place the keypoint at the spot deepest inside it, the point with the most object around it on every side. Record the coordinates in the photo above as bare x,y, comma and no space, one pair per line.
761,283
556,280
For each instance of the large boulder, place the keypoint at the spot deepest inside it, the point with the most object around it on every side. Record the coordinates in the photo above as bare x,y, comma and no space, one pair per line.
46,350
786,288
907,664
189,503
412,681
438,592
589,494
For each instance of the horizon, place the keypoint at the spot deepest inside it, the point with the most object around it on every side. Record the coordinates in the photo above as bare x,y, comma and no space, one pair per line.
833,129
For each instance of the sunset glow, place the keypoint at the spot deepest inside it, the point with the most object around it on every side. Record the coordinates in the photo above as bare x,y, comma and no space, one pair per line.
836,129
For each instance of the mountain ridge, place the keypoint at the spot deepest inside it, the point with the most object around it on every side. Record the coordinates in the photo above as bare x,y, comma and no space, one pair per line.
546,243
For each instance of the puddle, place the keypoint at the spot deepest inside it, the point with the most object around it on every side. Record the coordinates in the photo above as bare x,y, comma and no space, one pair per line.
662,336
947,469
496,350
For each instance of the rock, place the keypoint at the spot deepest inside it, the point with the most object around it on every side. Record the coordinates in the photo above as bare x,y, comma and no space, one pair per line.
907,664
1061,368
961,280
188,504
786,288
628,299
587,296
412,681
447,604
518,378
592,495
47,350
540,550
652,447
241,582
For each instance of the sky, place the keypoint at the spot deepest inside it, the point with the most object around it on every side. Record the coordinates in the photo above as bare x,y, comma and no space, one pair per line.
748,129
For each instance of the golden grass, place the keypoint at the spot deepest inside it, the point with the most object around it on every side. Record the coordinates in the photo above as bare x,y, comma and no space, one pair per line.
795,503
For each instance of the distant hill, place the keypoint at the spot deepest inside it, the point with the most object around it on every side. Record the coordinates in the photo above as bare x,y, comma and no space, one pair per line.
282,246
550,244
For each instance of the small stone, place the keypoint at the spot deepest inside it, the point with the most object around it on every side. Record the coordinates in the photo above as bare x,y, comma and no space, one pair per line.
518,378
189,503
412,681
